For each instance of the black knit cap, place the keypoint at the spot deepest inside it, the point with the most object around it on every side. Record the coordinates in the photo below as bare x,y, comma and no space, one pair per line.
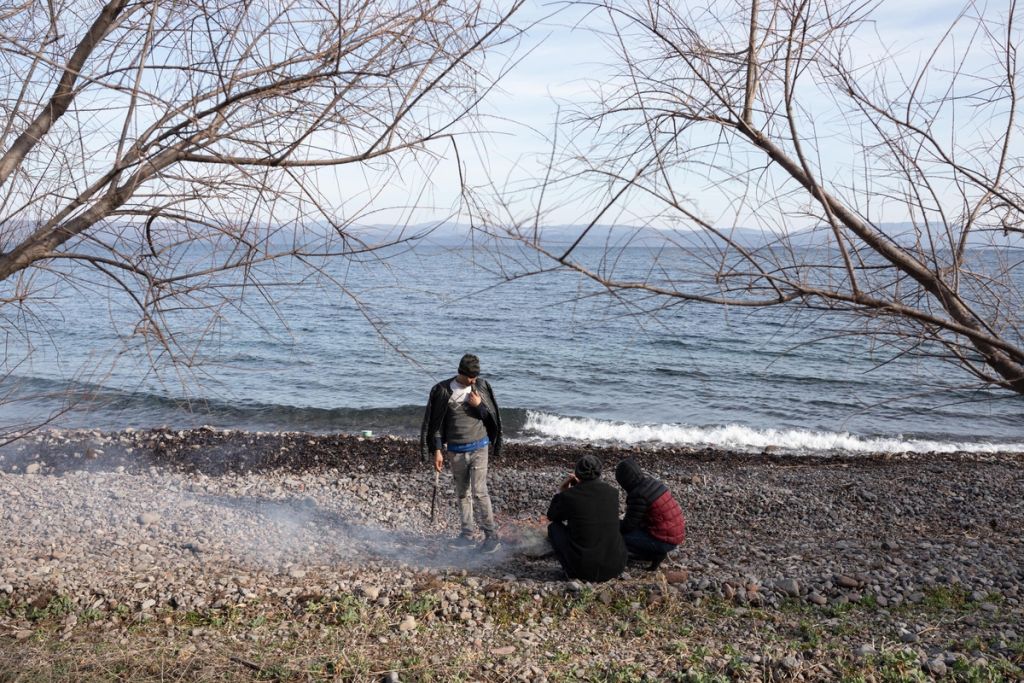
469,366
588,467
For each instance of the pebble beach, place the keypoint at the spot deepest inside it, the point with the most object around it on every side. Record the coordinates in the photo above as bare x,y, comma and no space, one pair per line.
793,568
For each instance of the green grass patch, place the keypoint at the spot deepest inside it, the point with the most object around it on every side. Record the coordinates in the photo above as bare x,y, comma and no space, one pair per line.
342,638
900,666
868,601
424,604
809,633
614,673
343,610
58,607
941,598
511,608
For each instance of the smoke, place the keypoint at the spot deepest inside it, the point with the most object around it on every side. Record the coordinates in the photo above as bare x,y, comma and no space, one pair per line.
301,531
123,489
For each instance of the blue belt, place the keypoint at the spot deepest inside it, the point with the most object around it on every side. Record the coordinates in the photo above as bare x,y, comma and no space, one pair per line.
467,447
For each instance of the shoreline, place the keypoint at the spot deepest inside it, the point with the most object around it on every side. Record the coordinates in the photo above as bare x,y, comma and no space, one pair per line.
735,440
281,449
140,529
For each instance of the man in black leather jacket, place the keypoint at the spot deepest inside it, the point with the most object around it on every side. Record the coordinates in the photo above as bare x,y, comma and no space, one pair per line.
462,420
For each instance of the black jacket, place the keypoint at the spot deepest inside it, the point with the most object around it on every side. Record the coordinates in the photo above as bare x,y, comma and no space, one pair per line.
649,505
591,513
437,409
641,491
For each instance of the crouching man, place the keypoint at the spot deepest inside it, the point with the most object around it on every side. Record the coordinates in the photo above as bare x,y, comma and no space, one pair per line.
584,528
654,523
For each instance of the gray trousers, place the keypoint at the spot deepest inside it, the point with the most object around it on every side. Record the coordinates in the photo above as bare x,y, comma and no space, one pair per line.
470,473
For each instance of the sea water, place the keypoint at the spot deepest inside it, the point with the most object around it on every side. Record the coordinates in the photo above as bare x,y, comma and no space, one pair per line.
357,347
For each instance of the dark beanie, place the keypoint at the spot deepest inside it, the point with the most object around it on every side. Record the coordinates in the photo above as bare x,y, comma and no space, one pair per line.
469,365
588,467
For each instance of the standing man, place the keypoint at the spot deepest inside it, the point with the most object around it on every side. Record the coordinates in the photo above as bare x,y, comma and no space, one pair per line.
462,418
584,529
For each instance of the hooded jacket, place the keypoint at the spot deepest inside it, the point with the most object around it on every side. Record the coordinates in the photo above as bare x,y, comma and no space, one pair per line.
649,505
437,409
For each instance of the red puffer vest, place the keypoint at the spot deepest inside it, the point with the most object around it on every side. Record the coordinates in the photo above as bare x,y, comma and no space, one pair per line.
665,520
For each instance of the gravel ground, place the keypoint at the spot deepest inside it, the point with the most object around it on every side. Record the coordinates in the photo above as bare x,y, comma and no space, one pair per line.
134,525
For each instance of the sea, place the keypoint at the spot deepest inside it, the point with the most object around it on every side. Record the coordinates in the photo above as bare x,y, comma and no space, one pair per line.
355,347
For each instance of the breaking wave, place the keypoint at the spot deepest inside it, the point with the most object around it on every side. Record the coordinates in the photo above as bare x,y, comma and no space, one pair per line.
544,426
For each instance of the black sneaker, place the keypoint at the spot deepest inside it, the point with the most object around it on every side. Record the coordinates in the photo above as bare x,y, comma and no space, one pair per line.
462,542
491,544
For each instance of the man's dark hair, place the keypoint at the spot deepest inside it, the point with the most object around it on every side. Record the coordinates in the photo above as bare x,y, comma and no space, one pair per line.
469,366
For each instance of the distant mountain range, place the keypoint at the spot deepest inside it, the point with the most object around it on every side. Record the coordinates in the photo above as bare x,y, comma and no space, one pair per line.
605,236
455,234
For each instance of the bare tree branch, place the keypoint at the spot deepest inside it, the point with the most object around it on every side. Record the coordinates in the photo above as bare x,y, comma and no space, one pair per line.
176,151
766,104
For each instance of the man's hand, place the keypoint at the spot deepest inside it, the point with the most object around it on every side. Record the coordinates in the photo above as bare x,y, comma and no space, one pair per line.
569,482
474,399
438,460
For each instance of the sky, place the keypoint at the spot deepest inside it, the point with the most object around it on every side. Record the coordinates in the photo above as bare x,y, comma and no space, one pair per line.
563,61
560,63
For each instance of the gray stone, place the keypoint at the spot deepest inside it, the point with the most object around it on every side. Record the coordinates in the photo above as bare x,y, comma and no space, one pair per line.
865,650
936,667
909,636
33,468
790,587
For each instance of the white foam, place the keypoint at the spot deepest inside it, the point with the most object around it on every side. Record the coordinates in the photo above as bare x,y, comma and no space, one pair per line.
740,438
